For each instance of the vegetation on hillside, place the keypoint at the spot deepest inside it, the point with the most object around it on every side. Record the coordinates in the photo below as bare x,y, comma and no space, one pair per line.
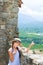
27,38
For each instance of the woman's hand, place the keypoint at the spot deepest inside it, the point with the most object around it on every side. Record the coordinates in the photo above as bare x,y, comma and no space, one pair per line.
32,44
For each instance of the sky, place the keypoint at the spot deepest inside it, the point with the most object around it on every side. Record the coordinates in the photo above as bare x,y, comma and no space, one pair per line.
33,8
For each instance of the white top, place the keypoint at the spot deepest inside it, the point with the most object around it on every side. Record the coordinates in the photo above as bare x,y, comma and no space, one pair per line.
16,58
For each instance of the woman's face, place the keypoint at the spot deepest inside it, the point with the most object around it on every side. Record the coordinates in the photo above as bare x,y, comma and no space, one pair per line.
16,44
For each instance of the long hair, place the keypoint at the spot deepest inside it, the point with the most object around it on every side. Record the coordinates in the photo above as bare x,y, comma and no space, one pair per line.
16,48
13,43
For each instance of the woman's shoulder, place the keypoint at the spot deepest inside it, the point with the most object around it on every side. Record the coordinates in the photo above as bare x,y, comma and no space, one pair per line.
10,49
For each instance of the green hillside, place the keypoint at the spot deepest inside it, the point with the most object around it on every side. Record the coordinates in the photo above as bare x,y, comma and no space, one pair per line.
27,38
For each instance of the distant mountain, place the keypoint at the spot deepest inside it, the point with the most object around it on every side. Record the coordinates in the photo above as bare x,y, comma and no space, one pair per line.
28,23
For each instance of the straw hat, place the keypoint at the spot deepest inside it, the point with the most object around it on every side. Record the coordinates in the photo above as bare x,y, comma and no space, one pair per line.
15,39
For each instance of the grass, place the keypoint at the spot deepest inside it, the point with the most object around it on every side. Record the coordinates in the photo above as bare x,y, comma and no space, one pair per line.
38,39
36,46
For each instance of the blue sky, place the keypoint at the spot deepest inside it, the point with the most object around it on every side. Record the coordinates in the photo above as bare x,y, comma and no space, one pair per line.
33,8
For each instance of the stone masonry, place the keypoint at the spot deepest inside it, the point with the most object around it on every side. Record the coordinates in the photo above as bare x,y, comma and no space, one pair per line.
8,26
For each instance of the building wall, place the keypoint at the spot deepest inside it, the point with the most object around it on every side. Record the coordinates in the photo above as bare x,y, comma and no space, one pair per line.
8,26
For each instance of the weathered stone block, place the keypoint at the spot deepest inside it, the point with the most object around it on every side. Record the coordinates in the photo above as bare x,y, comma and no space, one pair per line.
14,9
2,22
1,0
0,14
5,0
12,21
5,15
1,8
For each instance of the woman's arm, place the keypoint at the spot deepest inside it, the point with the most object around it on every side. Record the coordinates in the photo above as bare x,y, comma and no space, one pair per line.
27,49
30,46
11,56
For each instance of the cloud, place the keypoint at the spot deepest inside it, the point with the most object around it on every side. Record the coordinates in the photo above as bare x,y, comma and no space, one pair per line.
33,8
26,10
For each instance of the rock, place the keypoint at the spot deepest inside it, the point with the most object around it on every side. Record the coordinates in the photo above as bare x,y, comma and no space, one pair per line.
8,26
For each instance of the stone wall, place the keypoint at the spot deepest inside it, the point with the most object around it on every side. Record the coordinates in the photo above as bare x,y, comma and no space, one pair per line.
8,26
26,60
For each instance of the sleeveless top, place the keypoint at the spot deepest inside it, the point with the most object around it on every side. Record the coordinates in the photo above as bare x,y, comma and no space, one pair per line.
16,58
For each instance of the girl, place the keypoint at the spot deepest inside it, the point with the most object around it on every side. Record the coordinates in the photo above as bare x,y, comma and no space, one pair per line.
14,53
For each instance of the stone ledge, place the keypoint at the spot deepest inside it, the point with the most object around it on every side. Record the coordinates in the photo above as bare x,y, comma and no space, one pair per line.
30,58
